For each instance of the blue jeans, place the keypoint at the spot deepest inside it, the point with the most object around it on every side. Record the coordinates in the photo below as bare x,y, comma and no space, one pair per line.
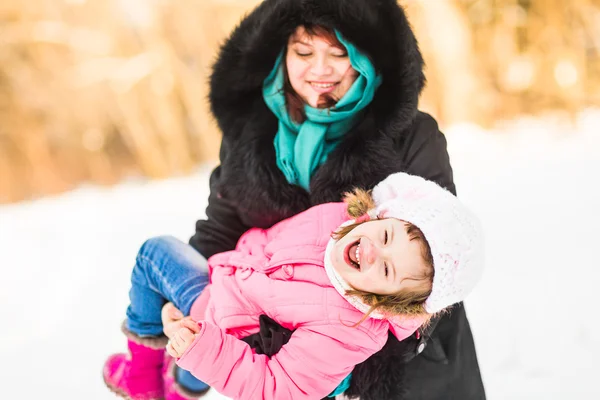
166,269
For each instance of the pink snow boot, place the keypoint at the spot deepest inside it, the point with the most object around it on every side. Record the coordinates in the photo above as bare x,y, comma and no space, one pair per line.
137,376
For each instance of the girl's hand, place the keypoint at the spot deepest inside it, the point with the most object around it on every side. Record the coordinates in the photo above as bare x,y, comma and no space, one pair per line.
182,339
172,319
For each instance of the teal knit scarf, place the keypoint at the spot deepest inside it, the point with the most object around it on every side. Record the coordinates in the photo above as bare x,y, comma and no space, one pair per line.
301,148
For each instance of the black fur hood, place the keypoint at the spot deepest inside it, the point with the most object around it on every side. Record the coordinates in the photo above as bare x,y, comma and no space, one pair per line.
378,28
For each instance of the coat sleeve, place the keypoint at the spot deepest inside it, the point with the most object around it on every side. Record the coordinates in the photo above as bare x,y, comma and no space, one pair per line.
309,366
222,227
427,153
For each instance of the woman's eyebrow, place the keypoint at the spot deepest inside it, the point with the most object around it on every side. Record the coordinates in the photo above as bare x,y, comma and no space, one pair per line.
294,41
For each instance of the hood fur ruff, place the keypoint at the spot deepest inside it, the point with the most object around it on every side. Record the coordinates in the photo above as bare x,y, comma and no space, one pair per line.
378,28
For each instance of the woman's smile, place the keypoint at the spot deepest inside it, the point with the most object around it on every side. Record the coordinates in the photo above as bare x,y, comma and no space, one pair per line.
323,87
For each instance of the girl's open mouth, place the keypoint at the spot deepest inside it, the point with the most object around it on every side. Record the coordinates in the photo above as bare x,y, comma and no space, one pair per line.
352,254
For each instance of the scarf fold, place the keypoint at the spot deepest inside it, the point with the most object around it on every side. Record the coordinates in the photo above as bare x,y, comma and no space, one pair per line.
301,148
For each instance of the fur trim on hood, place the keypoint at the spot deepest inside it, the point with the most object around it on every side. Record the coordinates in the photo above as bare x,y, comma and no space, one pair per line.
378,28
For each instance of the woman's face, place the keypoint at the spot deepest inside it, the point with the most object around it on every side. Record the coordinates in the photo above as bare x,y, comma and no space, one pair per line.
379,257
316,67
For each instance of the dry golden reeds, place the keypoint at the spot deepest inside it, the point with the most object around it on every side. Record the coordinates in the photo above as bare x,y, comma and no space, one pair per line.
94,90
496,59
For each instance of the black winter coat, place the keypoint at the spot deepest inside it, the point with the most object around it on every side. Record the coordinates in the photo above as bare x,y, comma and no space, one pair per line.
248,189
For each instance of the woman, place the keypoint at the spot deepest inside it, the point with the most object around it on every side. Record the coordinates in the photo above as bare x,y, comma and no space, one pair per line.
280,155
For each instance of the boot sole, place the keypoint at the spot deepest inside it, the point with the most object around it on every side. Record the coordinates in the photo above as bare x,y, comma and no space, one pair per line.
124,395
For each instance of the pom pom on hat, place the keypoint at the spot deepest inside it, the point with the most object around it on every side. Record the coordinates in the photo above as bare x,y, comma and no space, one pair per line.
453,232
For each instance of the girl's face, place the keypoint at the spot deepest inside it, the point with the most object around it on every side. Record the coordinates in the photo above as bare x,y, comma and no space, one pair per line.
379,257
316,67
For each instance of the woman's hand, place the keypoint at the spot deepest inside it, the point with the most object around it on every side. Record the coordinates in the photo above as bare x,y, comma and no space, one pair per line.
182,339
173,320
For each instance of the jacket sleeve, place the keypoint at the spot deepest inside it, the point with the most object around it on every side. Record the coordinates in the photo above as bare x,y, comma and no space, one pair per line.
314,361
222,227
427,154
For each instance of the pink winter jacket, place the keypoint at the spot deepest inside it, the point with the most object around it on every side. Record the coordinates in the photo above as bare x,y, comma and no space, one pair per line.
280,272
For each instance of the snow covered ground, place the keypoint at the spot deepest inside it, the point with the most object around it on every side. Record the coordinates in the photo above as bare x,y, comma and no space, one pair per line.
66,261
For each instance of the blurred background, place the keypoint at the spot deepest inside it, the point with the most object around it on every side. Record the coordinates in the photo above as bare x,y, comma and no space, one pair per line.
106,140
98,90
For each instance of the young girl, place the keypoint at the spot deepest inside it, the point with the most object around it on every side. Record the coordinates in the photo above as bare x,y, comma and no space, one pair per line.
340,275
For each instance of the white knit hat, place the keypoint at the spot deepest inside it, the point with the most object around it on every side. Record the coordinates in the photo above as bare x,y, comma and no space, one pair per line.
454,233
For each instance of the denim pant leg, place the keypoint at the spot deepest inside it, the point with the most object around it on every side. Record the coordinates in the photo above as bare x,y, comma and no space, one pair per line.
188,381
166,269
